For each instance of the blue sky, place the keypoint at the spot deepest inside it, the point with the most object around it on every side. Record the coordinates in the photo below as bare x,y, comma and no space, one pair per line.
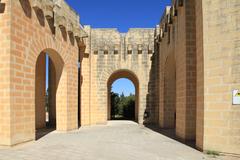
121,14
124,86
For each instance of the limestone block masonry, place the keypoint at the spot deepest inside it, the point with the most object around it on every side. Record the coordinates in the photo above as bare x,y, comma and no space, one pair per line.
221,49
110,52
199,41
28,29
184,70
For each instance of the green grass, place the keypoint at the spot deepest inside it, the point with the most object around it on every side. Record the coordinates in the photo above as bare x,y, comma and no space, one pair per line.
213,153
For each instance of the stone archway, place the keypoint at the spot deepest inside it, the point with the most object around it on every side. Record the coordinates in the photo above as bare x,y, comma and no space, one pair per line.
55,75
132,77
169,115
111,51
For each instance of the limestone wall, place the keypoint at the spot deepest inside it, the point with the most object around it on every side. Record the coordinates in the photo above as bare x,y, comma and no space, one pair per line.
203,37
221,48
200,77
112,51
185,69
178,69
5,111
28,29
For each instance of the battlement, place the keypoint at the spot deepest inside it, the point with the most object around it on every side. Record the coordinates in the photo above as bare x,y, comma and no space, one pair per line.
167,19
64,16
111,41
130,30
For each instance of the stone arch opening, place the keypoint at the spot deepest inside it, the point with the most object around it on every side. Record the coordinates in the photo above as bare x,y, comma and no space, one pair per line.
133,78
48,73
170,93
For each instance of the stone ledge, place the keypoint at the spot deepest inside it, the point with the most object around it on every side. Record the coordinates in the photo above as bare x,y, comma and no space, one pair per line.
64,16
168,18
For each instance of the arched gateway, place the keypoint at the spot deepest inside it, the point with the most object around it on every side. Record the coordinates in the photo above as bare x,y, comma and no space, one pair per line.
186,71
133,78
39,30
116,55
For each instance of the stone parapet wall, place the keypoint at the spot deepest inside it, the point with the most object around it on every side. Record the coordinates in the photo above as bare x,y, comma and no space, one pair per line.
63,14
112,51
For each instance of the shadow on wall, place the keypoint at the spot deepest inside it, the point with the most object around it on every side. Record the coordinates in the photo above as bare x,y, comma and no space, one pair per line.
151,113
153,103
2,7
51,25
40,16
27,9
26,6
64,33
71,38
81,55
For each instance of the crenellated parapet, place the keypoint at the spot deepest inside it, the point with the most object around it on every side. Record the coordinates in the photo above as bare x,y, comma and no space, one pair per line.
168,18
163,27
140,40
136,41
63,15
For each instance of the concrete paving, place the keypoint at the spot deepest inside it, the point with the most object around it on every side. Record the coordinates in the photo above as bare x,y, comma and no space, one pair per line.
119,140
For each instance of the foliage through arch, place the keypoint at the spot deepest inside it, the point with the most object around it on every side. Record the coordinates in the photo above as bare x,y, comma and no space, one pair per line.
122,107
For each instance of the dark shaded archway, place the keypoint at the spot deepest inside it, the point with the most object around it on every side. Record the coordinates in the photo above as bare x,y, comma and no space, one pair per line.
81,55
132,77
46,91
169,110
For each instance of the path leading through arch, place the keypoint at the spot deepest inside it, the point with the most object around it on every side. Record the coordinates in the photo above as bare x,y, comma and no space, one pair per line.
118,140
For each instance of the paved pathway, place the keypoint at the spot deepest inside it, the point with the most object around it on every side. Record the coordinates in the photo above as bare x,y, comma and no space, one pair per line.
119,140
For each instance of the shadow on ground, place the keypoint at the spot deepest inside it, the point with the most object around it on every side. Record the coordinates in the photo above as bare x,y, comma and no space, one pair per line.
122,119
171,134
40,133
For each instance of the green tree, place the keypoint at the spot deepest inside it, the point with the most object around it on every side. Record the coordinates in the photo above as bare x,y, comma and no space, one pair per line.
122,107
114,104
129,107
